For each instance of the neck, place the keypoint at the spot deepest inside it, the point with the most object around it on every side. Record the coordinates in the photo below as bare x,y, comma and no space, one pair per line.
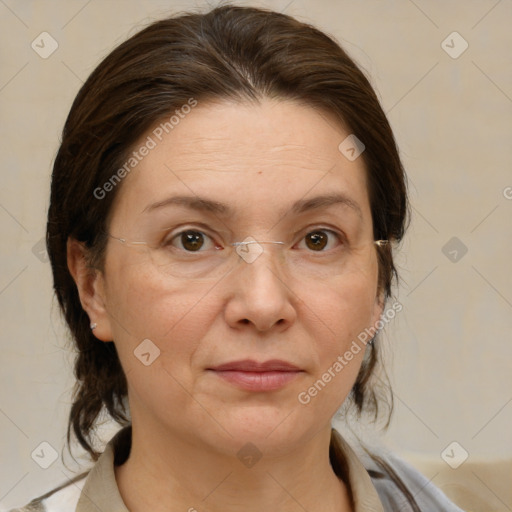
169,473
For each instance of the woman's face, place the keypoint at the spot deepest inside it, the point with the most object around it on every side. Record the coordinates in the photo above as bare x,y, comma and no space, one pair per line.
303,303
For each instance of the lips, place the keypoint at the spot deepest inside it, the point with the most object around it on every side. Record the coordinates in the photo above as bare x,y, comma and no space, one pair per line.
248,365
250,375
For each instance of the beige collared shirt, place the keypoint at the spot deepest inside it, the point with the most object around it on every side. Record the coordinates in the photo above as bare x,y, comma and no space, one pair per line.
374,487
100,492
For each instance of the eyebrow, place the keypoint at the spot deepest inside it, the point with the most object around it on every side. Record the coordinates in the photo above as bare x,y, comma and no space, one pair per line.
298,207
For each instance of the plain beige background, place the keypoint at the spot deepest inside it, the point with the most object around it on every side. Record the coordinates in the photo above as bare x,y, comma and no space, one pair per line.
451,111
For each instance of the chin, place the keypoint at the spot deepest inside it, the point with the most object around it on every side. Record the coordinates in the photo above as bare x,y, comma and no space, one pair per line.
271,429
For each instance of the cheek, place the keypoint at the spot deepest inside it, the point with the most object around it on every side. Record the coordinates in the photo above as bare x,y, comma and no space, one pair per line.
344,308
343,311
144,305
173,319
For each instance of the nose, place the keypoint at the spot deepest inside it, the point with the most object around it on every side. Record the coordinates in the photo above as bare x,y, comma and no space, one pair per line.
259,292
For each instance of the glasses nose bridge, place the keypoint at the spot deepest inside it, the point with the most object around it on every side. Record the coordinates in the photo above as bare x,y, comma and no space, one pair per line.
250,249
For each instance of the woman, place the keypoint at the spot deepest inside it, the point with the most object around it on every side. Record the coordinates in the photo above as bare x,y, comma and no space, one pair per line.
224,207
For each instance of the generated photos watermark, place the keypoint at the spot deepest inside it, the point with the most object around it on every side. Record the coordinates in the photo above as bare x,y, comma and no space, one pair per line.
150,143
304,397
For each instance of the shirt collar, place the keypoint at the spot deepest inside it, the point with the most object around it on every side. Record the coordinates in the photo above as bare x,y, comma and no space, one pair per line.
101,494
364,494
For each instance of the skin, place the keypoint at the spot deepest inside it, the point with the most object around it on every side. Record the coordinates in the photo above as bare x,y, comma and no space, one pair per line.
189,424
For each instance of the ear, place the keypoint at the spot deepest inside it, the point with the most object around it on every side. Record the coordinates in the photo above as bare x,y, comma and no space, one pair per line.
90,283
378,307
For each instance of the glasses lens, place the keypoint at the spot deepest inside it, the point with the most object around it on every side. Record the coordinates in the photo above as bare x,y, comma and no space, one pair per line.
199,261
191,254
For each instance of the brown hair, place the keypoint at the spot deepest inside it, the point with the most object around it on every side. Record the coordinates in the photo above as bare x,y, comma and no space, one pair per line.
231,52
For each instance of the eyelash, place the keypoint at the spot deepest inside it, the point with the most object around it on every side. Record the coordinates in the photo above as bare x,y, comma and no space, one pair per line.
168,242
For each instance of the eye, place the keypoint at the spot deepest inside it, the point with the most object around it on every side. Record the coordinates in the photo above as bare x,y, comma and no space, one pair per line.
195,240
318,239
190,240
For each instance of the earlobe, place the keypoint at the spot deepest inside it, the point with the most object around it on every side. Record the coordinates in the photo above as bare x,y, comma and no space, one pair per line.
91,290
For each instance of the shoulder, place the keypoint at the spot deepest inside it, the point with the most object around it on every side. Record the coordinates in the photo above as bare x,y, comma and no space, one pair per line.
396,482
67,497
63,498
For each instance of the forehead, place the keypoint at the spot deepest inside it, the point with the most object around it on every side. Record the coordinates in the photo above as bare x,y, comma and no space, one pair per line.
252,156
269,132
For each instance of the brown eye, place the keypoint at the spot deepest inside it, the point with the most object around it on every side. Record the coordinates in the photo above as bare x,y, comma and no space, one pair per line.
316,240
192,240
